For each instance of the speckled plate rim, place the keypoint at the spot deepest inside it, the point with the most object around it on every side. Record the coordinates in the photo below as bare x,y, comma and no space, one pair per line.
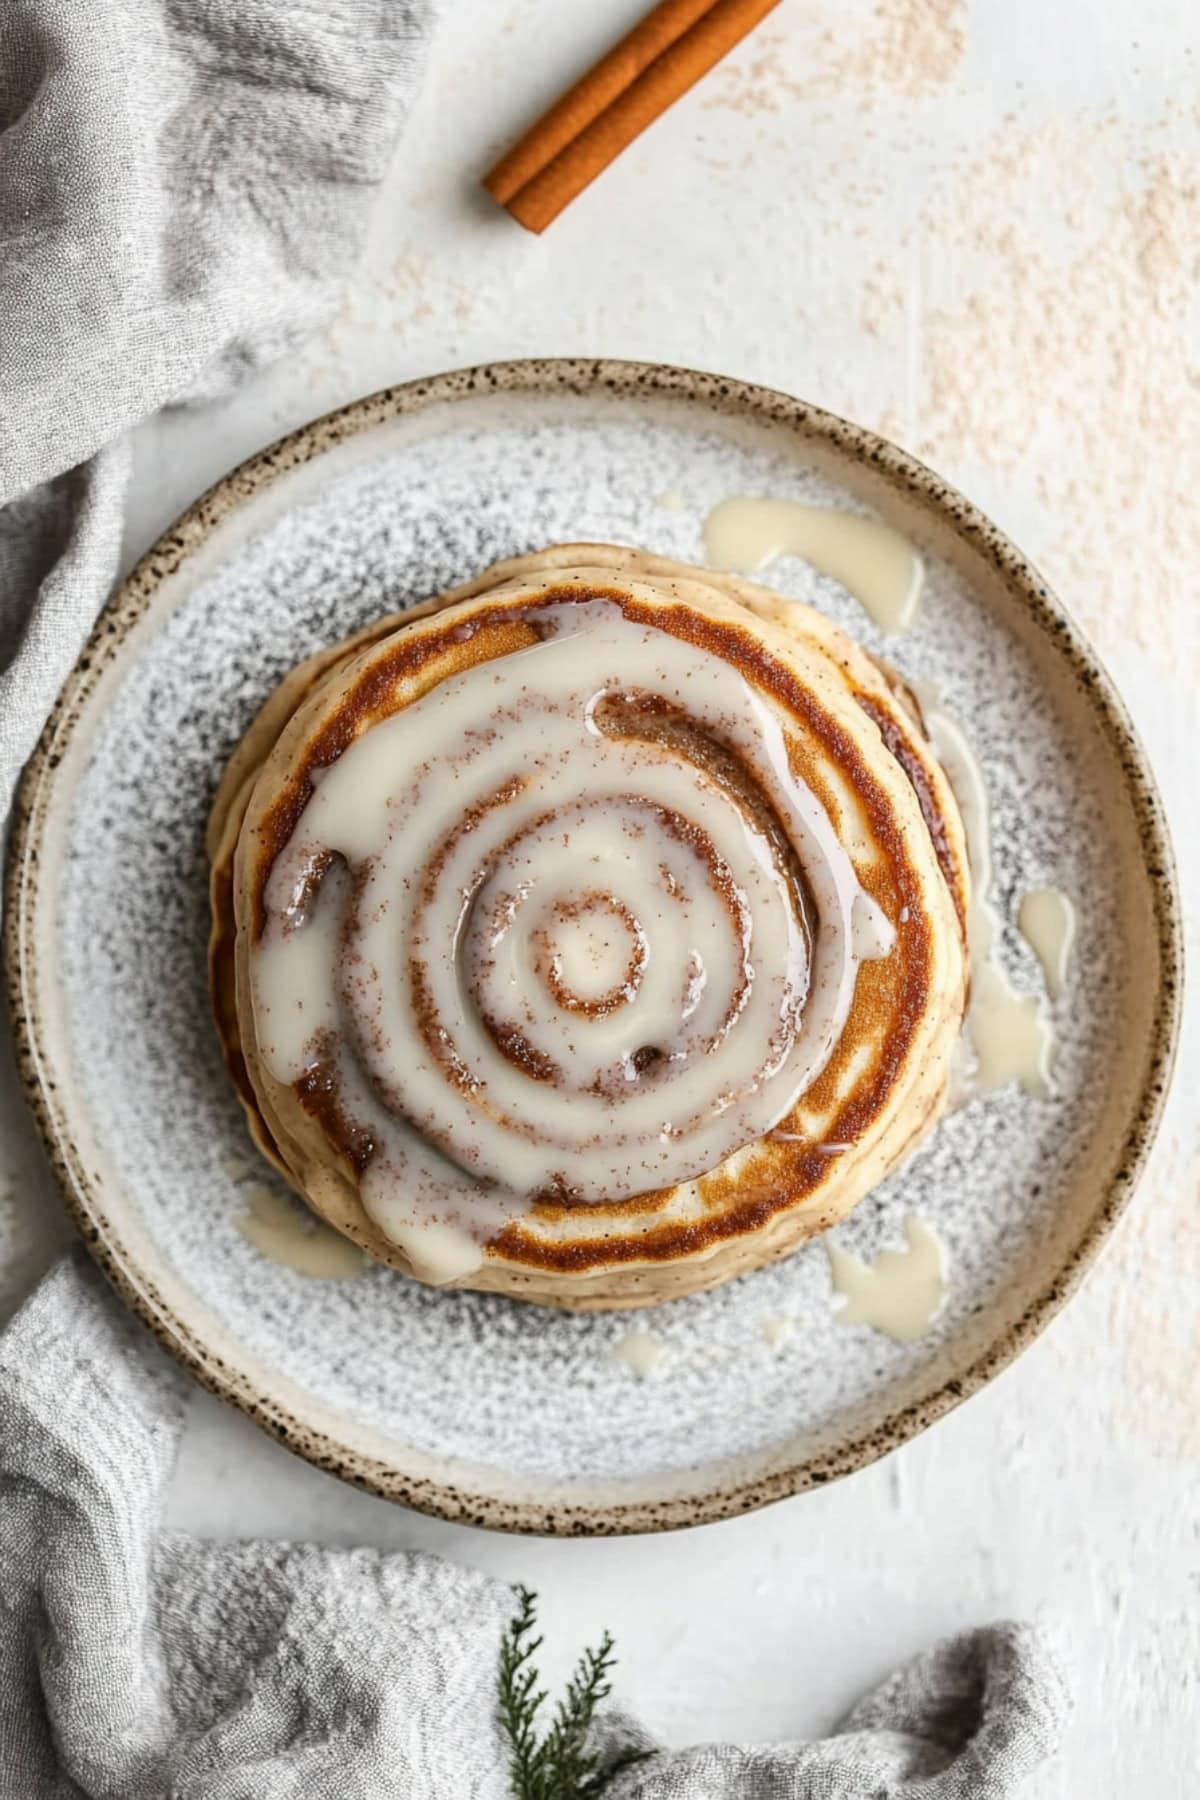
901,473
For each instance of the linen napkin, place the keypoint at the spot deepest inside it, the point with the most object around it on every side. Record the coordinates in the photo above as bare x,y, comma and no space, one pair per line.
144,1664
182,183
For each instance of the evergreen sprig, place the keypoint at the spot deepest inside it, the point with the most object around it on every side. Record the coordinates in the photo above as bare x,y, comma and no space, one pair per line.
557,1766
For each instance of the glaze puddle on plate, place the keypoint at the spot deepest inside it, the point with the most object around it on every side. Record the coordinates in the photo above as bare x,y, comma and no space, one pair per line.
876,563
467,1404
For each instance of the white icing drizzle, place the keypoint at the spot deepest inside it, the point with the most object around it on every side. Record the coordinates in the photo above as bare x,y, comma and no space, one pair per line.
640,1351
901,1292
776,1330
1010,1033
872,561
1046,918
549,954
872,932
282,1233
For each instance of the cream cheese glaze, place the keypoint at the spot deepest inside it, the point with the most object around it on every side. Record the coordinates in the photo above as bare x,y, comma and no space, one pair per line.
540,942
871,560
1011,1034
783,811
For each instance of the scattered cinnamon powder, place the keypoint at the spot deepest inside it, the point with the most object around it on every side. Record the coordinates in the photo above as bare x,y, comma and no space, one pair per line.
910,48
1065,376
1156,1264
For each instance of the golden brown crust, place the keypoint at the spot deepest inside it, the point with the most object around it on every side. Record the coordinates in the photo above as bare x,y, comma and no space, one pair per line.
856,742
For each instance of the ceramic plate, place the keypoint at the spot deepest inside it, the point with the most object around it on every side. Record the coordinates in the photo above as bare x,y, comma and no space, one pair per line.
476,1407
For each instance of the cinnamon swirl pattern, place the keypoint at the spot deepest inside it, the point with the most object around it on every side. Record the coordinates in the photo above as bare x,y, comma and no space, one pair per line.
591,934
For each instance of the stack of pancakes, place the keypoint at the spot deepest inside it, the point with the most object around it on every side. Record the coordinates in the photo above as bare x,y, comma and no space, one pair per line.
591,934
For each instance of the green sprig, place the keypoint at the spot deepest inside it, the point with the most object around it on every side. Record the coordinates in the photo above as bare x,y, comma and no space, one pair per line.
557,1766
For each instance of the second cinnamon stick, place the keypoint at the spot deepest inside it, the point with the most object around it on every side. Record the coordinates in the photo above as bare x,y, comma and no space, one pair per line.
614,103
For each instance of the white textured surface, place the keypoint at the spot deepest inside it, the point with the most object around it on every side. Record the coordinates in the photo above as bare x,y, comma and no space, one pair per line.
971,225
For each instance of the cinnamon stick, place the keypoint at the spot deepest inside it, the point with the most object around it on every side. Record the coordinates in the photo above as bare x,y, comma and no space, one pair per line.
660,59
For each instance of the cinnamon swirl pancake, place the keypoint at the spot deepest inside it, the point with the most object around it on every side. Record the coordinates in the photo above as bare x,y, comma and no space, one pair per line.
590,934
